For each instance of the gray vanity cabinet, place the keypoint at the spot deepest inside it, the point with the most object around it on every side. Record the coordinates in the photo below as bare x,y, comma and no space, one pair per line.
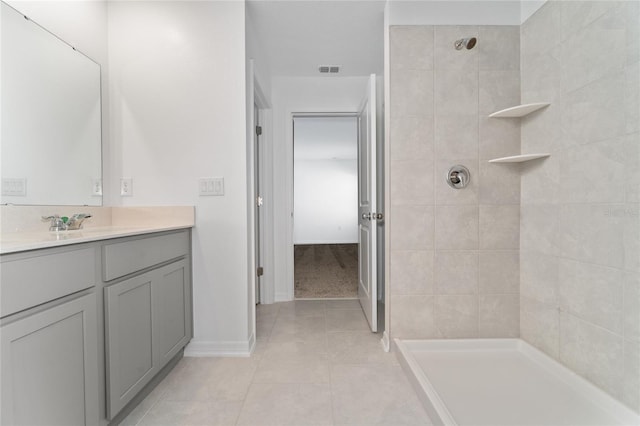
148,321
85,327
49,366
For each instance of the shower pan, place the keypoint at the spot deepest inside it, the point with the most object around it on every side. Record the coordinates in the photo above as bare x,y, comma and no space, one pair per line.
505,382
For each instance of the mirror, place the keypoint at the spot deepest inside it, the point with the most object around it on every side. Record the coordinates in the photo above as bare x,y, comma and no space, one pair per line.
50,138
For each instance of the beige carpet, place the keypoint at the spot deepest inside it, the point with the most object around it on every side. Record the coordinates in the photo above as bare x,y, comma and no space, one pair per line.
327,270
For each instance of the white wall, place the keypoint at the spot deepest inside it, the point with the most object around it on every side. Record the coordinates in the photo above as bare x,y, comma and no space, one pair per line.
178,113
290,95
326,202
325,180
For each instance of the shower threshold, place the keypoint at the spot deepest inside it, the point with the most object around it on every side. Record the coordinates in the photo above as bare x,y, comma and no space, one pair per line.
503,382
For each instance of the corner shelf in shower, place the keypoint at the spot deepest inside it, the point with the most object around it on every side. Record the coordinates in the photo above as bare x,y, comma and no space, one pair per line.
519,158
519,111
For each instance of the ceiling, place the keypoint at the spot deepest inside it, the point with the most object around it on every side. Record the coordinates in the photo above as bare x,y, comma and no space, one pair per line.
298,36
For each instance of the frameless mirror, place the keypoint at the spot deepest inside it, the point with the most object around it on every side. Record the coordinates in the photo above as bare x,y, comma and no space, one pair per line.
50,138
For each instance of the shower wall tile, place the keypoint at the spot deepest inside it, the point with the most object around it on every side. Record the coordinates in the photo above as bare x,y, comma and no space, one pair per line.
457,316
539,228
633,32
592,352
412,94
541,74
456,136
412,138
584,183
456,272
456,227
596,50
540,179
498,138
446,195
542,31
413,317
595,112
631,380
456,92
499,272
499,315
411,227
411,272
597,233
592,292
446,56
580,233
411,47
540,325
632,97
543,131
500,227
499,183
439,107
499,89
499,47
539,275
411,182
632,306
577,15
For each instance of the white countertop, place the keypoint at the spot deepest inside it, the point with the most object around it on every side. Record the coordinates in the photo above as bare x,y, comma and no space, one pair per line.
23,241
22,229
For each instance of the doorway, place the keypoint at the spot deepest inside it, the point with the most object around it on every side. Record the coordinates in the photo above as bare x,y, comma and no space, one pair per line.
325,219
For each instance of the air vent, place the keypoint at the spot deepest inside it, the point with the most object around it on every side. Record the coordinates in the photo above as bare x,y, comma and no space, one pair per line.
329,69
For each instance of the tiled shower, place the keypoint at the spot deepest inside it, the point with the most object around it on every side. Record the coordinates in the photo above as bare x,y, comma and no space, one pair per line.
546,250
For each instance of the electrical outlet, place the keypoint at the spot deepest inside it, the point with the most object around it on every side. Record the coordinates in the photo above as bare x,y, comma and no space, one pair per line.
211,186
96,187
16,187
126,187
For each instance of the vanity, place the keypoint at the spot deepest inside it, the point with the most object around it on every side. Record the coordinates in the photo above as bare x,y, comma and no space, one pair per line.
89,321
92,317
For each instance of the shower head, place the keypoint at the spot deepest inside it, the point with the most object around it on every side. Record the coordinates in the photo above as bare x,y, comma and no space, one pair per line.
467,43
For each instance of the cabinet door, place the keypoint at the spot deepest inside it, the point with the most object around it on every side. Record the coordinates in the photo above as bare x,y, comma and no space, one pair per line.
148,320
50,366
171,310
128,337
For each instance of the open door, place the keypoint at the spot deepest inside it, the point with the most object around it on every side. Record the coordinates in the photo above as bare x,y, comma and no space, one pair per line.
367,216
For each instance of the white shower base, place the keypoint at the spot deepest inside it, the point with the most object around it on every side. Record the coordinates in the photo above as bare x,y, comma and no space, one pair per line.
503,382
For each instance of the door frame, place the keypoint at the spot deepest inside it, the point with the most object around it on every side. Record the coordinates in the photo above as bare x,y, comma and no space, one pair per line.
255,96
291,115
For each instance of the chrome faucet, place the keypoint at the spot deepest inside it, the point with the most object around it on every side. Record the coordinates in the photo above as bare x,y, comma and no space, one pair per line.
75,221
66,223
57,224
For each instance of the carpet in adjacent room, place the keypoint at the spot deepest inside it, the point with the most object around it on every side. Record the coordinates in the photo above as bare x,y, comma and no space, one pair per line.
326,270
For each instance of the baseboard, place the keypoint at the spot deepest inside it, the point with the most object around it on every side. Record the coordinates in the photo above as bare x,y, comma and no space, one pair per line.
252,343
385,341
323,242
282,297
203,348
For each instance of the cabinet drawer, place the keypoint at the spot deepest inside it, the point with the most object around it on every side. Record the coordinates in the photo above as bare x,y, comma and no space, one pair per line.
124,258
35,280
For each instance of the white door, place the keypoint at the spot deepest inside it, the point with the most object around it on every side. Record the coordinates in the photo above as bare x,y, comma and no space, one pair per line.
367,259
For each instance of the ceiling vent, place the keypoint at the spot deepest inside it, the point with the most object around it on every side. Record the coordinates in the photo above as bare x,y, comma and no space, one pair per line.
329,69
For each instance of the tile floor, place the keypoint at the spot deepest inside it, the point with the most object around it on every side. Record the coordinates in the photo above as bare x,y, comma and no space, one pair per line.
315,363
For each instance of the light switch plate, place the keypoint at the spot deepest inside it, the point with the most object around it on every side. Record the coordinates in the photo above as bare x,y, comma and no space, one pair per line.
211,186
126,187
96,187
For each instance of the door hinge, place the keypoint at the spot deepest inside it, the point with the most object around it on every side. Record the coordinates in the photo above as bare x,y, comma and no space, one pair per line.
258,130
260,271
259,201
